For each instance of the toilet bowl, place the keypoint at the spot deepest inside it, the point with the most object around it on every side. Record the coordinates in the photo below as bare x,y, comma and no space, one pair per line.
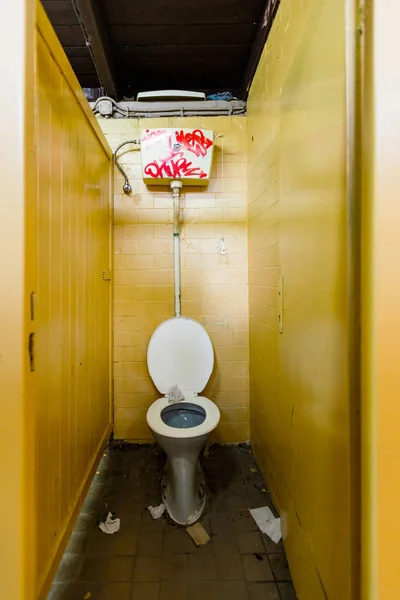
180,354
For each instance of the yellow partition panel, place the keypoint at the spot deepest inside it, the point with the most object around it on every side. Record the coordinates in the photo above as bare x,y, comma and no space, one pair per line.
380,303
300,409
55,239
214,285
72,300
17,169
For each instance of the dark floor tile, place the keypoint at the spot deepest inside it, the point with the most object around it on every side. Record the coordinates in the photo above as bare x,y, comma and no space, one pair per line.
207,549
203,590
237,485
145,591
174,591
250,542
222,521
150,525
118,543
229,566
244,521
257,498
216,486
205,520
225,542
152,493
280,567
133,491
169,524
202,567
150,544
286,591
263,591
178,542
271,547
107,568
233,590
100,543
69,569
110,591
244,454
174,567
153,477
147,568
253,479
131,522
256,569
120,505
237,502
124,543
224,464
128,481
218,503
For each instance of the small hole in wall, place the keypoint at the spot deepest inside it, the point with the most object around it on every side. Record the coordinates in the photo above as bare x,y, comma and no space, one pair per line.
252,138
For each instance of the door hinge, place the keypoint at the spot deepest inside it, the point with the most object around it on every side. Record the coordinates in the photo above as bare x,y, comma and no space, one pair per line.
31,350
107,274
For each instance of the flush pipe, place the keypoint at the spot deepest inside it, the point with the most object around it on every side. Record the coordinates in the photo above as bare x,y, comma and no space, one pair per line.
176,187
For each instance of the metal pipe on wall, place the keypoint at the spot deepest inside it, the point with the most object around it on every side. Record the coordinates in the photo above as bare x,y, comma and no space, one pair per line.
176,187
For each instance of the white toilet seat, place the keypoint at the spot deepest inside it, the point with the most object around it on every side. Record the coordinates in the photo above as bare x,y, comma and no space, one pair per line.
157,425
180,353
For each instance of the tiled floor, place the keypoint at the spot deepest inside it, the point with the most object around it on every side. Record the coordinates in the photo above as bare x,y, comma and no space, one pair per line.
157,560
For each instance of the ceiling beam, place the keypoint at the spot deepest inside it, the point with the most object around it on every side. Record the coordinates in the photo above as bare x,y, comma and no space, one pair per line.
93,28
266,21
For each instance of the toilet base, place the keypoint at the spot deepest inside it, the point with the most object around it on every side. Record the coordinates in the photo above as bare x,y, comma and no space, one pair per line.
183,504
183,487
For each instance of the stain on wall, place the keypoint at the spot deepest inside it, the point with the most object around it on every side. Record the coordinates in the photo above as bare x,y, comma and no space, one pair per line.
214,286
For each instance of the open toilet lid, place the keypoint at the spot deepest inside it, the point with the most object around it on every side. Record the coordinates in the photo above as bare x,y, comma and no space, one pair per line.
180,353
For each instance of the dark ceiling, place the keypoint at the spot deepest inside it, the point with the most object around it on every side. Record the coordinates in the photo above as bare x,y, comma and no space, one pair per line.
139,45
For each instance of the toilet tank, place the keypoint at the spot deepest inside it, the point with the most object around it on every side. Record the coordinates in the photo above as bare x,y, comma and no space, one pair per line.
171,153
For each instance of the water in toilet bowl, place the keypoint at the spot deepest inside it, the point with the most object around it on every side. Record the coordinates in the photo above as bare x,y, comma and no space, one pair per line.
183,415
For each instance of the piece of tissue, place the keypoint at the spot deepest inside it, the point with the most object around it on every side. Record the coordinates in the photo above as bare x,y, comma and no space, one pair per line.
156,511
110,525
175,394
267,522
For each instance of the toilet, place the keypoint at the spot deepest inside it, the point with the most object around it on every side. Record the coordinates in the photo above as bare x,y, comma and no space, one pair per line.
180,354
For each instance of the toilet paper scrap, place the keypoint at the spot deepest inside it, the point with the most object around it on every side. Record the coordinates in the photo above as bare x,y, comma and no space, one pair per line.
267,522
175,394
156,511
110,525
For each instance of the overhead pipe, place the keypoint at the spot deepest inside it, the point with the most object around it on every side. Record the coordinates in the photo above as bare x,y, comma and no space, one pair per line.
176,187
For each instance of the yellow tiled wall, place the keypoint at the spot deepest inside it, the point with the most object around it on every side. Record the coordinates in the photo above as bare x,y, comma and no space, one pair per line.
299,379
214,286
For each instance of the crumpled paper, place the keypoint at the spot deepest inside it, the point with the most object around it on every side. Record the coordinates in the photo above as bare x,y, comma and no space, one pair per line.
156,511
110,525
268,524
175,394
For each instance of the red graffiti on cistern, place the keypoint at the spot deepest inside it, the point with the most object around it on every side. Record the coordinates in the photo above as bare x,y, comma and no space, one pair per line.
175,164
